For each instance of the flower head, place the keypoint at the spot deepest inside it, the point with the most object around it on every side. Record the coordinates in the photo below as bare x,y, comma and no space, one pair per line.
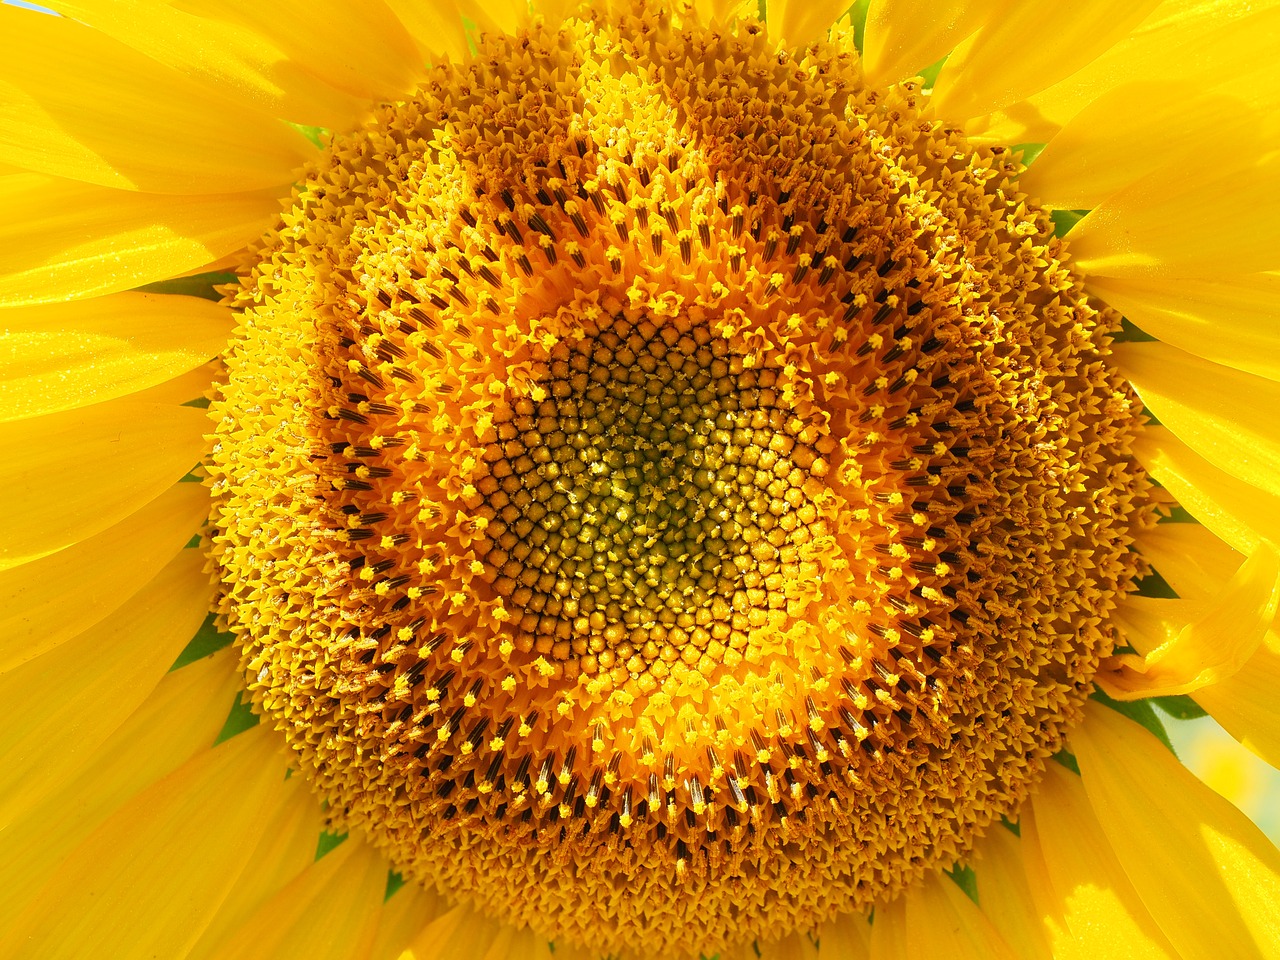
672,485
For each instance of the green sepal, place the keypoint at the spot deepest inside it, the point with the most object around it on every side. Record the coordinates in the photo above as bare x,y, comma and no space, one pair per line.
207,641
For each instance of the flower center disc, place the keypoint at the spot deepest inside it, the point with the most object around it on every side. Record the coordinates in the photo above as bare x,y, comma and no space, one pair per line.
666,493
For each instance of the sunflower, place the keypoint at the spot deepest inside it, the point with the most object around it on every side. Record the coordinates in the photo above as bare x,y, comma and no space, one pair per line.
634,479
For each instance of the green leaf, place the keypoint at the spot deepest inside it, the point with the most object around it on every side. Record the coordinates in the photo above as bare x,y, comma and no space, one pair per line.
1029,152
929,75
316,135
1130,332
1154,585
207,641
965,879
240,719
196,285
329,842
1064,220
1180,707
858,15
394,882
1068,760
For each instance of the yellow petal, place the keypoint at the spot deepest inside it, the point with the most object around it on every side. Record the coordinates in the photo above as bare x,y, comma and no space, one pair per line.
1229,321
103,113
1210,649
1048,905
1190,854
459,934
148,880
1090,908
943,922
60,356
48,601
287,848
796,22
1191,559
1167,47
889,931
1005,897
503,16
1130,130
1148,623
1128,133
362,50
902,37
847,937
1186,220
462,934
1224,415
179,719
1235,511
797,946
436,28
182,389
1245,704
328,912
409,910
61,240
239,62
62,705
71,475
1028,48
721,10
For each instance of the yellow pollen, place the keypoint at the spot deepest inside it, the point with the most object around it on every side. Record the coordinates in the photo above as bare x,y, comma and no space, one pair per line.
667,506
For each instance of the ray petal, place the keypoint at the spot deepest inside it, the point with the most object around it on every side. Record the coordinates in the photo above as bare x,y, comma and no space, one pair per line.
1228,320
180,718
1005,897
1186,220
61,356
1027,49
943,922
1235,511
50,600
148,880
1089,905
103,113
1189,853
240,61
329,911
1224,415
1210,649
62,240
65,703
796,22
1245,704
286,849
76,473
903,37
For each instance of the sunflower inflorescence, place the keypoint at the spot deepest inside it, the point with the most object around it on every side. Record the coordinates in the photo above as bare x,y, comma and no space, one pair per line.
665,491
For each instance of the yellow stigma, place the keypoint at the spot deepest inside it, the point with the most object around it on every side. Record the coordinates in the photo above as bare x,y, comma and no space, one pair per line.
667,493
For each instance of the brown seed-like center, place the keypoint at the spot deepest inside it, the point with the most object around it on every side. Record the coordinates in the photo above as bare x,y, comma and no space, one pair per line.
652,506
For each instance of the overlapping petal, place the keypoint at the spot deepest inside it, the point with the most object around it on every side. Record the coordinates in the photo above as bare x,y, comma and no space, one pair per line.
60,356
106,114
1189,853
62,240
151,877
84,470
